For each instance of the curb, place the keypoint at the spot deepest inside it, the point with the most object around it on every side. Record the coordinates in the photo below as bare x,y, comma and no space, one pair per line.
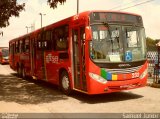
155,85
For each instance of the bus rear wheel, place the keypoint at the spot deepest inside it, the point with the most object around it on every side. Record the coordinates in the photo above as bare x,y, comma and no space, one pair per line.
65,83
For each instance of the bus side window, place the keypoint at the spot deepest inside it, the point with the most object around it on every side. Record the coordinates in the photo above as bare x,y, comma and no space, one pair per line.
35,42
46,42
39,45
11,48
54,39
26,45
17,47
21,46
49,40
43,45
61,35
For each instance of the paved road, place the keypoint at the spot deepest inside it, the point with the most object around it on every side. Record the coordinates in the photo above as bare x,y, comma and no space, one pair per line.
27,96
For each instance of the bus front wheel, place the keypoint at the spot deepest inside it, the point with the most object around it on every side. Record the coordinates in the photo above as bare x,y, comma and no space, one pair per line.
65,83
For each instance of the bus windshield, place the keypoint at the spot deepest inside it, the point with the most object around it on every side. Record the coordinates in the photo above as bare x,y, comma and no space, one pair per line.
117,43
5,52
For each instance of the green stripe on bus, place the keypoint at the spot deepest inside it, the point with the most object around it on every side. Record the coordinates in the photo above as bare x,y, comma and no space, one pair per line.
103,73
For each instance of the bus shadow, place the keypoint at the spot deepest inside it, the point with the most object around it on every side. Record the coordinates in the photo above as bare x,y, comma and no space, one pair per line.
4,64
14,89
104,98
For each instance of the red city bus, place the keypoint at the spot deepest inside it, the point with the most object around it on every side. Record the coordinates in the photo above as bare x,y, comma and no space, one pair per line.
93,52
4,55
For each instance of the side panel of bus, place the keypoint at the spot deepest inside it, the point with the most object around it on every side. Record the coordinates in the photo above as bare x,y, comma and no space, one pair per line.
56,52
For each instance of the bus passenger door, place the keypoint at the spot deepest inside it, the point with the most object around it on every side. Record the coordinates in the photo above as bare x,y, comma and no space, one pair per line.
39,62
33,56
78,35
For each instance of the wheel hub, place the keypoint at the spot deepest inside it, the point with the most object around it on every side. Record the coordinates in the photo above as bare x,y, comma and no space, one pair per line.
65,82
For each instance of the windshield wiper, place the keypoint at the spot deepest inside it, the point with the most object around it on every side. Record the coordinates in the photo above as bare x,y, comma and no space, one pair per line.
107,25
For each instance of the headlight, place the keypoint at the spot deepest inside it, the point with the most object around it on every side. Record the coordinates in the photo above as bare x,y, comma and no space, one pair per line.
98,78
144,73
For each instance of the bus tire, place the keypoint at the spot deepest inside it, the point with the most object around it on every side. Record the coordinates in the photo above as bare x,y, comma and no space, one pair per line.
65,84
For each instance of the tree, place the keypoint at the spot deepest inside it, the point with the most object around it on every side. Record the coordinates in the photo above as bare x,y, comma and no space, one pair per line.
53,3
151,44
9,8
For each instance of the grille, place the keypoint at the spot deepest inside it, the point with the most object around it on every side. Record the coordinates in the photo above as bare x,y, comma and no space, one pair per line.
123,71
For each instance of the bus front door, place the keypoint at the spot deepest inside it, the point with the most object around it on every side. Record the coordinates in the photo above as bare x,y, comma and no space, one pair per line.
78,37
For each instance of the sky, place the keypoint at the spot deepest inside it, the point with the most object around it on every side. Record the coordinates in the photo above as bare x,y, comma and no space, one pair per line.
150,13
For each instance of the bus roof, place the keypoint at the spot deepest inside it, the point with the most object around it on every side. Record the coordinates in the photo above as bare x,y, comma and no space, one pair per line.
67,20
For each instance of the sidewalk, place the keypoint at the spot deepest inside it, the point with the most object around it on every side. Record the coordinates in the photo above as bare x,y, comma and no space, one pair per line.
151,83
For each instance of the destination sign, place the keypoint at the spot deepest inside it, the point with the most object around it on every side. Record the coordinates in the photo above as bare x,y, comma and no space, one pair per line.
115,17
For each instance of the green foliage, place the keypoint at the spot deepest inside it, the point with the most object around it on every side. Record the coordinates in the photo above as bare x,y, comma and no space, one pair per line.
53,3
151,44
9,8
